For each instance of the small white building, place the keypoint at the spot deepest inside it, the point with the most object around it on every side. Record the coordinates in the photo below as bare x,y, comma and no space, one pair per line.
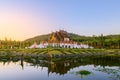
33,46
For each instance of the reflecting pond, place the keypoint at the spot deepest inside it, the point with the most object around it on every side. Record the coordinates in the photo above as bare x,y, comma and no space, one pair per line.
82,68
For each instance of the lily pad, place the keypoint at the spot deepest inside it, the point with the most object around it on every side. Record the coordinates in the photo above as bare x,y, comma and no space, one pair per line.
83,72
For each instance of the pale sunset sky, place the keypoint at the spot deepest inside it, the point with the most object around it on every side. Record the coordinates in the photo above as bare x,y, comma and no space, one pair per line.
22,19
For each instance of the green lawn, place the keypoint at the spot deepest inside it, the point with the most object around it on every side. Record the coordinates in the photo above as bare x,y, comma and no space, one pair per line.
62,51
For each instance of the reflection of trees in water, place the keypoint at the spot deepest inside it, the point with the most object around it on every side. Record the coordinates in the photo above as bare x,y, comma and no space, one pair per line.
114,73
61,65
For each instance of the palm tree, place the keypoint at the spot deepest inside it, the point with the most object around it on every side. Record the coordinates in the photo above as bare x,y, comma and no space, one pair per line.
102,41
119,42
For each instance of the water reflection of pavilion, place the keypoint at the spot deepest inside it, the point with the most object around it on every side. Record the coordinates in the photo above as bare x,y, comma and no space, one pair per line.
59,68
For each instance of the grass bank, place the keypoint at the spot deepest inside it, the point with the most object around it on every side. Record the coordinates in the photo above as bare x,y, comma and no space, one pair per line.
61,51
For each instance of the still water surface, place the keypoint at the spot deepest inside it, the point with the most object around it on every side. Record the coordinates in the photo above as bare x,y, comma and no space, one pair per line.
75,69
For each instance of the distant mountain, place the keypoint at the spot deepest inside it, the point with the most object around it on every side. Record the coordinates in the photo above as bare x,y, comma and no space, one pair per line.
73,36
38,38
76,37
